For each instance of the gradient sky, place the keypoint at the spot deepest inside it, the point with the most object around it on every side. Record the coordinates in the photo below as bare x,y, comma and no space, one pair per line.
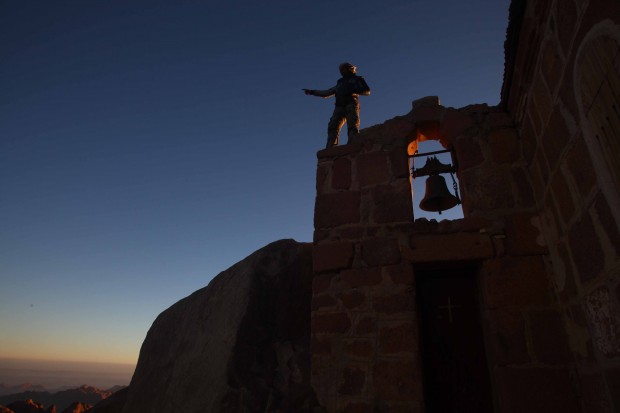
145,146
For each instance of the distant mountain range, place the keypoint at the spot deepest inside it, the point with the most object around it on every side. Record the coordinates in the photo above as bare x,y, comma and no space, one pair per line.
62,399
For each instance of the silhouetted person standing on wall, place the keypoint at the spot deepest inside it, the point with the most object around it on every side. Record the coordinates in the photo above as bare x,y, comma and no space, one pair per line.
347,90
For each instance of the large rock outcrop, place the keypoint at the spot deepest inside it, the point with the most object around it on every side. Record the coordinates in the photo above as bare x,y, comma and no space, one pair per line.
241,344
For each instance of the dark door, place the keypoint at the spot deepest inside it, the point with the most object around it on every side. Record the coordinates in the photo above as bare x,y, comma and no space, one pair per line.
455,366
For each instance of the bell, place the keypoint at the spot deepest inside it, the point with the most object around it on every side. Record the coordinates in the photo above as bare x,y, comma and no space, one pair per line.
437,197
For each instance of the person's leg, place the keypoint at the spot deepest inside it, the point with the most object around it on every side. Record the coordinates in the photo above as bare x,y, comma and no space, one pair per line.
353,121
335,124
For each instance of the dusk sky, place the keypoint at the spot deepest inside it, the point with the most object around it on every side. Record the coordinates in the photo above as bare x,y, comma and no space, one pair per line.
145,146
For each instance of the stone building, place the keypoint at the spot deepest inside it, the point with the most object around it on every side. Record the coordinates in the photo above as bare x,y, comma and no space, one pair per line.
515,307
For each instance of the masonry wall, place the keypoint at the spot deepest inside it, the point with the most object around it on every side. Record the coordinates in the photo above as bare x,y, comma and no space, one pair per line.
564,98
365,326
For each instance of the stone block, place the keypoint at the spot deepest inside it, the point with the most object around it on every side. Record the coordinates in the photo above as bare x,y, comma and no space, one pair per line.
426,114
330,323
499,120
562,196
594,392
332,210
366,325
566,13
398,338
508,337
542,99
555,138
468,153
321,283
321,346
400,129
360,348
399,163
515,282
524,235
586,249
361,277
352,381
352,299
322,172
549,338
392,203
536,390
395,303
401,274
504,145
528,141
323,301
613,383
332,256
551,63
380,251
372,168
341,173
454,124
603,317
608,223
397,380
524,187
580,168
449,247
357,407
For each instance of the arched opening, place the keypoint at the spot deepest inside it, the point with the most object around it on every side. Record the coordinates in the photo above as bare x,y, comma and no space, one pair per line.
416,150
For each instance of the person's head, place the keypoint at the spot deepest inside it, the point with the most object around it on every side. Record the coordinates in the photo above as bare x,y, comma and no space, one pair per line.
347,69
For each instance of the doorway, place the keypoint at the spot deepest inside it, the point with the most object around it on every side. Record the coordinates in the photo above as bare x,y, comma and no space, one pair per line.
456,376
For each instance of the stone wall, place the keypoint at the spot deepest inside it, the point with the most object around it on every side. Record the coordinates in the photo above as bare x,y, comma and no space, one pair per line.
366,339
567,68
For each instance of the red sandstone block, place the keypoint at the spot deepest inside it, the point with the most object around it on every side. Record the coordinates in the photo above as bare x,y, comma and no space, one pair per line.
536,390
331,323
524,235
362,277
341,173
401,274
372,168
607,222
454,123
562,196
402,302
323,301
352,299
586,248
332,256
397,380
321,283
362,348
321,346
468,153
392,203
515,282
366,325
358,407
350,232
499,120
400,129
504,145
524,187
555,138
508,339
399,163
380,251
332,210
580,167
322,172
352,381
398,338
549,339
